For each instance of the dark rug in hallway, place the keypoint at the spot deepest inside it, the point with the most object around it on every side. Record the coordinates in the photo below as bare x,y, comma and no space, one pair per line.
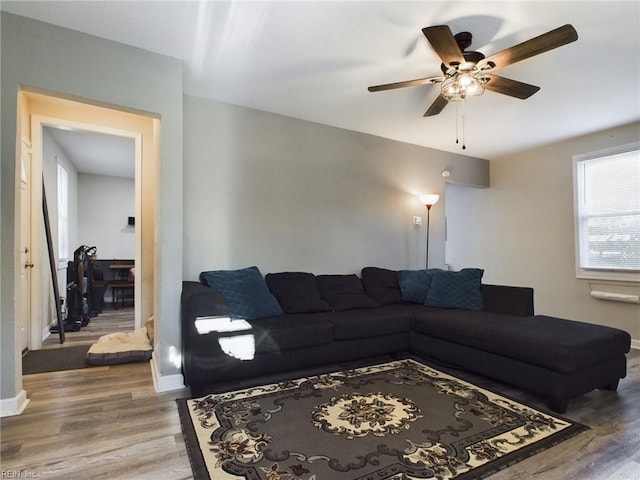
400,420
55,359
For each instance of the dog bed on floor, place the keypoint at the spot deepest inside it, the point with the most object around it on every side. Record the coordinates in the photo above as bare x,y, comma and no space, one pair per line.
121,347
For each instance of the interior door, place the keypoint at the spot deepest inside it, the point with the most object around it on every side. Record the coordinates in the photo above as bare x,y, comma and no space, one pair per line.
24,307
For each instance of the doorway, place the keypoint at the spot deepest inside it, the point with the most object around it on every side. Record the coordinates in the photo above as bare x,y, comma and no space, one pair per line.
41,111
89,180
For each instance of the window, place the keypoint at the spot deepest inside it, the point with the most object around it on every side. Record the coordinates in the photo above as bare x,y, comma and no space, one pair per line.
607,204
63,214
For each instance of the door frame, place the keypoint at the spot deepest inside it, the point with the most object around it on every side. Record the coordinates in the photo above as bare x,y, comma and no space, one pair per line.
25,241
49,110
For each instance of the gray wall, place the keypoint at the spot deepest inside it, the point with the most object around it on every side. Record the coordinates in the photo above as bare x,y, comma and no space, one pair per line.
521,230
54,59
286,194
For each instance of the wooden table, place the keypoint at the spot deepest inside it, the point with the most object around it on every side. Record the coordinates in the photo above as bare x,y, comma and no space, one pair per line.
121,270
122,283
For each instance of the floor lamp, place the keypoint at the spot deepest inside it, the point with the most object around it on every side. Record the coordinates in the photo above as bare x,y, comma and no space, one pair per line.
428,200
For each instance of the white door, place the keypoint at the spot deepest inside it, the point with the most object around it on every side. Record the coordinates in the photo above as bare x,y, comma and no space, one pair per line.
24,307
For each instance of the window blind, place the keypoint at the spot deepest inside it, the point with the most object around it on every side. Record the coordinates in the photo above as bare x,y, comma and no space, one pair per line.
609,212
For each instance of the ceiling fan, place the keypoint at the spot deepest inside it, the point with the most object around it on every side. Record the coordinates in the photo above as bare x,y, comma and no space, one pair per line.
469,73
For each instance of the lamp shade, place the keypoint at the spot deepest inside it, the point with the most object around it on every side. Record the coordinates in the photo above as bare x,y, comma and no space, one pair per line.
429,199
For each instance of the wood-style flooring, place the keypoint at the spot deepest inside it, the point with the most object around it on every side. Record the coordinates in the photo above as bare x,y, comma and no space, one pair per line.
108,423
109,321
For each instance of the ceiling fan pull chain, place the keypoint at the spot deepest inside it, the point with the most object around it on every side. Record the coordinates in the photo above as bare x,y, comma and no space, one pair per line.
464,143
457,124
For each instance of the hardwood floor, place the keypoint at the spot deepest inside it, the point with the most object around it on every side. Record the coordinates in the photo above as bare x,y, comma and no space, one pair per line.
98,423
610,450
109,321
108,423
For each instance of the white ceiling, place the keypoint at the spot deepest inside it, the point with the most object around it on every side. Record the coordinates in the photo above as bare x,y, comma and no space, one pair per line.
96,153
313,60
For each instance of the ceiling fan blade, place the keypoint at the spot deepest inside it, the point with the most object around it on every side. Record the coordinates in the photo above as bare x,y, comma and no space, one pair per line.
535,46
506,86
437,106
407,83
444,44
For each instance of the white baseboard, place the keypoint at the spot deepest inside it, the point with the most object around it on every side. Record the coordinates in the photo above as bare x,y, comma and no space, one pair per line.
15,405
165,383
635,344
46,332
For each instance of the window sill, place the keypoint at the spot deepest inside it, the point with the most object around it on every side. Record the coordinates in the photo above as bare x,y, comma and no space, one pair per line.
632,277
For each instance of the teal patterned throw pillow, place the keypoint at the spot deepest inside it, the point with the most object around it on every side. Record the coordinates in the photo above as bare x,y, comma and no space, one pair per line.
246,292
414,284
456,289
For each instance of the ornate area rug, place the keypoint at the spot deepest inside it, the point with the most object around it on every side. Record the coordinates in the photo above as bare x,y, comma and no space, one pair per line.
400,420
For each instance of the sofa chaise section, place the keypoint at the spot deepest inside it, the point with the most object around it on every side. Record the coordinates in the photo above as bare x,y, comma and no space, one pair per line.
554,358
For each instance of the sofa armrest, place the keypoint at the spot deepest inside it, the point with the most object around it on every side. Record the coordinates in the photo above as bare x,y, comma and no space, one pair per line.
508,300
198,300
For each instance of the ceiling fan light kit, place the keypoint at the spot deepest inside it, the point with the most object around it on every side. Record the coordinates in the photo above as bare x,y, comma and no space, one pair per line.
467,73
463,85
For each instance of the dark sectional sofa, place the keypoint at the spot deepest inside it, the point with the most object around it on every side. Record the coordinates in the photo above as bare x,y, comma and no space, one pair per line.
296,320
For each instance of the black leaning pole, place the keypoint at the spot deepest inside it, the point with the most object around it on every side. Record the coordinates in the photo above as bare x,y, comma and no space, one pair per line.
52,262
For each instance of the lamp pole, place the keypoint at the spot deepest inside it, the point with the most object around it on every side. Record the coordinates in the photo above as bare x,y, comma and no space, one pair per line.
428,200
428,217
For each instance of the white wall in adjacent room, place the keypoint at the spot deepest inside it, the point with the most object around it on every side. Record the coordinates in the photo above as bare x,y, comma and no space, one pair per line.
104,205
52,154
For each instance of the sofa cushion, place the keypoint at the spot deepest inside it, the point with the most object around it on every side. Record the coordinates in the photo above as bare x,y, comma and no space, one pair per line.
560,345
381,285
344,292
456,289
364,323
245,291
507,300
290,332
297,292
415,284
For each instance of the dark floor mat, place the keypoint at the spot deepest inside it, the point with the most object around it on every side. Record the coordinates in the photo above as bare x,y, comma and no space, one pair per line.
55,359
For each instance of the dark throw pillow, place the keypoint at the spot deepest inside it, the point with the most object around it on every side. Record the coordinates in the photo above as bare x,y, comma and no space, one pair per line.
245,291
344,292
297,292
381,285
456,289
414,284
